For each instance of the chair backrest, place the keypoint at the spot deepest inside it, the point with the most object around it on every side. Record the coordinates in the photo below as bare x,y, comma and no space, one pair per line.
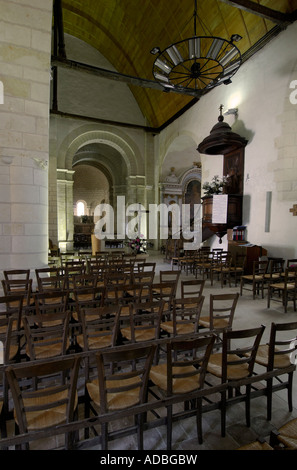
81,281
260,267
53,301
10,326
147,267
88,297
221,311
31,401
47,335
192,287
282,347
187,361
22,274
239,352
49,278
145,320
100,327
124,372
18,287
169,276
165,291
186,315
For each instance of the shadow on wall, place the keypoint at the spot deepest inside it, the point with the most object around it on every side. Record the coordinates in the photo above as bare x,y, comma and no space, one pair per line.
239,128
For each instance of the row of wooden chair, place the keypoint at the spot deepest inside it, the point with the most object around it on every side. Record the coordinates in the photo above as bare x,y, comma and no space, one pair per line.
280,281
122,390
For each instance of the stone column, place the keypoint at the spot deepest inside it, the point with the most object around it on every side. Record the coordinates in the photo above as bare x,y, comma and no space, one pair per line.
65,209
25,49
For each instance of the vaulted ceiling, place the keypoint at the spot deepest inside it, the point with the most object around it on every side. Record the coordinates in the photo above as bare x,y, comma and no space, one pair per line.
125,31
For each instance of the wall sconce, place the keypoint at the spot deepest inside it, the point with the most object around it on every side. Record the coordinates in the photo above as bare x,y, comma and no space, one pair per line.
233,111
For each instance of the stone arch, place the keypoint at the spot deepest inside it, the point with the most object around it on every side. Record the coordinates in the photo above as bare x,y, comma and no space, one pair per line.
180,153
115,138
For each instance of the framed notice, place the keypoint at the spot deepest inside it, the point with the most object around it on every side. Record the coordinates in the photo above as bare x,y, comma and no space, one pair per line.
219,208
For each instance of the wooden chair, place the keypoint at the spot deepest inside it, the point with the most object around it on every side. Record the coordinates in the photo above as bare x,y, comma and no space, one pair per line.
12,287
192,288
221,268
47,335
183,373
143,323
237,267
53,403
279,353
165,291
221,313
51,301
82,281
185,316
122,383
203,263
168,276
145,280
274,272
234,364
100,327
12,339
256,279
285,290
50,279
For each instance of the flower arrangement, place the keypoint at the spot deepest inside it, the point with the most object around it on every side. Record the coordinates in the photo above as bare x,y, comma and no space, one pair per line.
137,245
215,186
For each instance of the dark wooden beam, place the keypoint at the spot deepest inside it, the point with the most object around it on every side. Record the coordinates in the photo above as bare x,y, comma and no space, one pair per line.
130,80
282,19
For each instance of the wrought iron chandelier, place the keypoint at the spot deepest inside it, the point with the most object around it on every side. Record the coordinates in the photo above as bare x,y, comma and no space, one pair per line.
198,63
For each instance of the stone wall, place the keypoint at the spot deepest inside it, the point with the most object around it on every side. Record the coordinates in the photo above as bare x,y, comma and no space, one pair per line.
25,45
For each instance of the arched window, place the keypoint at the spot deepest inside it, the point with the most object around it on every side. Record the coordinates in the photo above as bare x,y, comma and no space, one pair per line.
80,208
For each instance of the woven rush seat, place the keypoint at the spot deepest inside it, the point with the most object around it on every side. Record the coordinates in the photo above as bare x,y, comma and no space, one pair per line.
37,420
234,372
139,334
256,445
280,362
105,340
116,400
158,375
180,329
218,323
287,434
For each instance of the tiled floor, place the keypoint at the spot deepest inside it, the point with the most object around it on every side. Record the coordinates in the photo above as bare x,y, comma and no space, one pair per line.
249,313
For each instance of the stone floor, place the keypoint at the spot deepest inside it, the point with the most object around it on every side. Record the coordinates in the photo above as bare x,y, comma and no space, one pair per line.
249,313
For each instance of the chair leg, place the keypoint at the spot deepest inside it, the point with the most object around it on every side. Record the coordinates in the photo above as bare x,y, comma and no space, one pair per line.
140,421
223,413
104,436
248,406
199,420
290,391
169,427
269,398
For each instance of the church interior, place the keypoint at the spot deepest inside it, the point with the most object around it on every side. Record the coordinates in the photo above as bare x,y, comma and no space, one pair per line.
158,131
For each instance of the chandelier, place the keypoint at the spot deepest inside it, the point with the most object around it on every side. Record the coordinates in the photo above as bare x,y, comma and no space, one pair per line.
198,63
